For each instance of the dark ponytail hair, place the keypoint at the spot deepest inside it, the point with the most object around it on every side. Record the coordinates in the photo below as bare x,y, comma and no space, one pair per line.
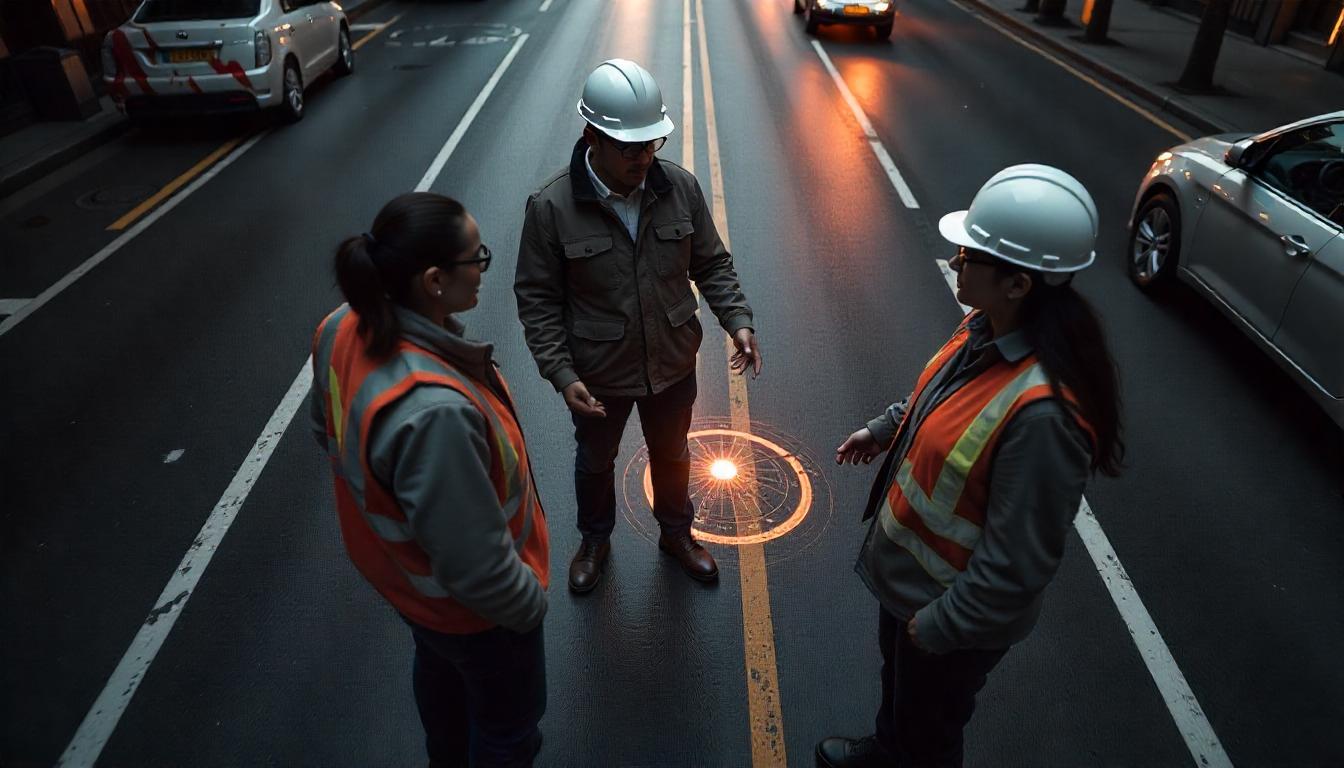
375,270
1068,338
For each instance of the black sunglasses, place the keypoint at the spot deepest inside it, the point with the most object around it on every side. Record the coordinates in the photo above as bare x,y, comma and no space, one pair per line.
631,150
483,257
975,256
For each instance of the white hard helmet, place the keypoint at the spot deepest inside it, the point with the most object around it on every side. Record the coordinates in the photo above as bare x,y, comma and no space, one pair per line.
621,99
1034,216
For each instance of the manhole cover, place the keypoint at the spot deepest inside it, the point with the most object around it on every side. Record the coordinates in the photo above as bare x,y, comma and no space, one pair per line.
114,197
748,488
446,35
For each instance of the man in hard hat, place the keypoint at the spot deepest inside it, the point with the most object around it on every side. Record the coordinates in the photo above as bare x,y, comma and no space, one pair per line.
986,465
610,246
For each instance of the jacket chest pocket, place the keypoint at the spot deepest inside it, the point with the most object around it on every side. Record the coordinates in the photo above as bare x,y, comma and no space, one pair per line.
673,245
590,264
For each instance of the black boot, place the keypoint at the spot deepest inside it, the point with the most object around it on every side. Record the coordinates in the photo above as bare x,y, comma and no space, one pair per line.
839,752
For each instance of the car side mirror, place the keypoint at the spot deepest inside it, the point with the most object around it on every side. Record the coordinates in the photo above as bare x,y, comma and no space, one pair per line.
1237,152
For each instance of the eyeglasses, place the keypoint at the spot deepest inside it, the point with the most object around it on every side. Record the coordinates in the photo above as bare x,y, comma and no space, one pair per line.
483,257
973,256
631,150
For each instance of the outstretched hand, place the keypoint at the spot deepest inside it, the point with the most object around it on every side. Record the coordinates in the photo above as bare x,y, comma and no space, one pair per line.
748,353
860,446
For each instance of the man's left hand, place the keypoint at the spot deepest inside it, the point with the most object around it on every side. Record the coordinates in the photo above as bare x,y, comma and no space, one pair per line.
748,354
911,630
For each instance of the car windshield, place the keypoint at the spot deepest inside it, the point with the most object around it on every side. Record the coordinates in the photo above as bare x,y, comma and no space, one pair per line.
188,10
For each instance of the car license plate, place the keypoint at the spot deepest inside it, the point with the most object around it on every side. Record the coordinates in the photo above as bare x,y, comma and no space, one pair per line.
856,10
188,55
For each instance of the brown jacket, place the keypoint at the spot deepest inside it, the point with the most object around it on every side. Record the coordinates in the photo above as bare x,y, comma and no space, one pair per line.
615,314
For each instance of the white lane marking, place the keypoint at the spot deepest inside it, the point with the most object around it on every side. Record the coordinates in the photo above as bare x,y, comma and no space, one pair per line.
10,306
1149,116
687,92
37,303
368,27
436,167
883,157
1195,728
173,455
1185,710
545,6
111,704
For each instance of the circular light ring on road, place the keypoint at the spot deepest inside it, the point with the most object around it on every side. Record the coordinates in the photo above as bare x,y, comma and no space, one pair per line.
743,480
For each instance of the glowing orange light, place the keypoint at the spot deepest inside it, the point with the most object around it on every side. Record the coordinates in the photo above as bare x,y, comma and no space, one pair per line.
1334,33
723,469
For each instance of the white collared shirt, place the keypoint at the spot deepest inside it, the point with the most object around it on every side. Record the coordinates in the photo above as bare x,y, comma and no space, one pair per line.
625,206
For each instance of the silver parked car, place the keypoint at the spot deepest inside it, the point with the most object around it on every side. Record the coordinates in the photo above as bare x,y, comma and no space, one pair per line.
224,55
1254,224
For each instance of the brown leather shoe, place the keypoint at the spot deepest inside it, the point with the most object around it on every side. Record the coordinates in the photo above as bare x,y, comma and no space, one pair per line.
695,560
585,570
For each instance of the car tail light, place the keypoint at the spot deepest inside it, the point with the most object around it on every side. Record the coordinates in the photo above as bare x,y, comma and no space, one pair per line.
263,46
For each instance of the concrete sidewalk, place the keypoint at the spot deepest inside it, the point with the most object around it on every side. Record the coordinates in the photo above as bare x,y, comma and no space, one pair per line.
36,150
1265,86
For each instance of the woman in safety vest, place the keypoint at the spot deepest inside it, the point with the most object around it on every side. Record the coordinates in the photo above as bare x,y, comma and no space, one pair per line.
433,484
986,465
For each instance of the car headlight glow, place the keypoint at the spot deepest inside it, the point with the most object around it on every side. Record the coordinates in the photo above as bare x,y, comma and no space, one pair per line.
882,7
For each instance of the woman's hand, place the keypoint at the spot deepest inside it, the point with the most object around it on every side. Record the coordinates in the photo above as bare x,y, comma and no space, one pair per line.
860,446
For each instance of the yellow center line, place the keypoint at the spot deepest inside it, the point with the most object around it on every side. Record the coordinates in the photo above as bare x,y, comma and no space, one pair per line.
174,185
1147,115
355,45
758,631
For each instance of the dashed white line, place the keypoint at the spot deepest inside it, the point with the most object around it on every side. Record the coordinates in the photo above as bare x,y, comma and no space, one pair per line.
545,6
436,167
108,708
11,322
173,455
883,157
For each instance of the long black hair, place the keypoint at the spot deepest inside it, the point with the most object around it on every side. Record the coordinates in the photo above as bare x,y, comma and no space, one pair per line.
375,270
1069,341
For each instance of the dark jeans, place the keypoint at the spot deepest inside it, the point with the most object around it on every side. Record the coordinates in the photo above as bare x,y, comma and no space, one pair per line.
927,698
665,419
480,696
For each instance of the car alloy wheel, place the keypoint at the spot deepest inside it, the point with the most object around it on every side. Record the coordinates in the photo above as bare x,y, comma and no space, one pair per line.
345,62
1154,242
293,92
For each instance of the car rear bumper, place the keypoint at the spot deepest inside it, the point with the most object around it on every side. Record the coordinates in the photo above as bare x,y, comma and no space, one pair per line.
231,89
836,15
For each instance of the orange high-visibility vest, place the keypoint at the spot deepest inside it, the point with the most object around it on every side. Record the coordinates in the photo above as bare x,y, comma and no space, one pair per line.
376,532
935,506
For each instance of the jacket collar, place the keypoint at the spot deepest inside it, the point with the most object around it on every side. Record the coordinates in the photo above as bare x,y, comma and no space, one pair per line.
472,357
1011,346
656,180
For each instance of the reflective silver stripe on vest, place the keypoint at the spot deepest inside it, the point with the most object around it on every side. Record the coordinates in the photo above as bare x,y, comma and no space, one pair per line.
938,510
387,528
425,585
933,564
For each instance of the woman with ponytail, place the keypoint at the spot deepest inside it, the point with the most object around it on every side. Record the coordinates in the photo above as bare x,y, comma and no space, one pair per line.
434,488
986,464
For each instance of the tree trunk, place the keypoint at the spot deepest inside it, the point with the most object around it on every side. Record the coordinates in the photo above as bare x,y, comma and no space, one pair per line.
1198,74
1051,12
1098,22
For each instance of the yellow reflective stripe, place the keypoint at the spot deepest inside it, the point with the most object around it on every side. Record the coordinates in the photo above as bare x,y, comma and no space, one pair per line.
957,465
941,520
938,510
938,569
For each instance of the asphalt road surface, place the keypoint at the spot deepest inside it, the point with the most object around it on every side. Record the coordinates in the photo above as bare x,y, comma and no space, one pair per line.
146,419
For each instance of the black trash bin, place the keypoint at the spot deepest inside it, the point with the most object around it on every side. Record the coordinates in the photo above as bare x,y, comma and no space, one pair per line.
56,83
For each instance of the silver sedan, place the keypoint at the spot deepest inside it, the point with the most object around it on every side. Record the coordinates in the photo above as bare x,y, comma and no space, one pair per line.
1253,223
